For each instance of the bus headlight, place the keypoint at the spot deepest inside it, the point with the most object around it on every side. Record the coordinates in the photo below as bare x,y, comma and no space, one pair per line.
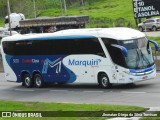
127,72
131,79
133,73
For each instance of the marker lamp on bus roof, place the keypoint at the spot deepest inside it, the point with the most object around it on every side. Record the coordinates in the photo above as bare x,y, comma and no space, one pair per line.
128,41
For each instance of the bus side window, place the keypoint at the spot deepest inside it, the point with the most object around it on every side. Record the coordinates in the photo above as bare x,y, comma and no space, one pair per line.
84,46
54,47
116,55
8,47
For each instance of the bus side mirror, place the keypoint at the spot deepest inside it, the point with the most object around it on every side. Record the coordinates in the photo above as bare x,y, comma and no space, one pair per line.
155,44
123,49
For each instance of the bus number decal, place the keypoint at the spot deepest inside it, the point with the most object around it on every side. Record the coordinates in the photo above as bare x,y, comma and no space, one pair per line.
15,60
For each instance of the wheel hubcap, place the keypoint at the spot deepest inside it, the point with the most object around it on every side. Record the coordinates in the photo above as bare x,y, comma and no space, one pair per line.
38,81
104,81
27,81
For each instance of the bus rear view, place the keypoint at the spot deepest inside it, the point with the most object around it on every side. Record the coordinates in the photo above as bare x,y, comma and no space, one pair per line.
104,56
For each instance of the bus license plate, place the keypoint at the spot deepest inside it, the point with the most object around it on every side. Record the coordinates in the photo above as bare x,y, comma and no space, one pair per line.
145,77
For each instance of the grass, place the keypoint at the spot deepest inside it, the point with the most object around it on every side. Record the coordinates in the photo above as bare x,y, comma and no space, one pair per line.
102,8
39,106
2,22
111,9
157,39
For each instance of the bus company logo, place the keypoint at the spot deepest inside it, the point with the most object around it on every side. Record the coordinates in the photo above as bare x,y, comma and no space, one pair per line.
30,61
48,63
92,62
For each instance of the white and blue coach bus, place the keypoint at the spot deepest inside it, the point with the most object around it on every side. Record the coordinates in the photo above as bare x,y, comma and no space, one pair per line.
101,55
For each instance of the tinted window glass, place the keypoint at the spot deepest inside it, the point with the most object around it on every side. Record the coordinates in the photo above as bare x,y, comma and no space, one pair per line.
115,53
117,56
49,47
109,41
134,43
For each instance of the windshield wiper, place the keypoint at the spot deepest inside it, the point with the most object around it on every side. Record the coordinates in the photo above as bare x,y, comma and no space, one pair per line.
137,59
144,58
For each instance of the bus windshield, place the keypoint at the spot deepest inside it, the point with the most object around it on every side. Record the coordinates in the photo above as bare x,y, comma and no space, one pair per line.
139,53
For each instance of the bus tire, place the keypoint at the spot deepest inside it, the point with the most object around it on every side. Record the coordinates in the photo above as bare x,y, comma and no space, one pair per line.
103,81
27,82
38,81
61,83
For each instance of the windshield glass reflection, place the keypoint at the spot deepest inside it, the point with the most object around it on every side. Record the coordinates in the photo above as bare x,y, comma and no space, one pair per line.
139,54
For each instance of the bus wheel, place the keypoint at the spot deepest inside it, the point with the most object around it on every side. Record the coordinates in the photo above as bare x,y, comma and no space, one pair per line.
38,81
104,81
28,82
61,83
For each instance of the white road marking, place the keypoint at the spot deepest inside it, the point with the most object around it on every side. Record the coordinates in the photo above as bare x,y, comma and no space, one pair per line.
94,91
133,92
59,90
24,90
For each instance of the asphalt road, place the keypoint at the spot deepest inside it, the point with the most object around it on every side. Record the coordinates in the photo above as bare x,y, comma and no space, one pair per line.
152,34
146,93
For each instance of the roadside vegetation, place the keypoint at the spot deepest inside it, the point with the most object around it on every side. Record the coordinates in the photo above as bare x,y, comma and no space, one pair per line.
110,12
1,22
39,106
157,39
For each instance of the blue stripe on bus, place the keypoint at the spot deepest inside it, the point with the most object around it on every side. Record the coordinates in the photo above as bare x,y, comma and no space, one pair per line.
61,37
8,58
50,67
142,70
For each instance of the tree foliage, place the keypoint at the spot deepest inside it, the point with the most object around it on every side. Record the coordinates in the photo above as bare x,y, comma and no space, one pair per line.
27,7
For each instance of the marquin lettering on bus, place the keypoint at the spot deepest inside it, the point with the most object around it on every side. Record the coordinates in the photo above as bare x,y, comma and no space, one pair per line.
85,63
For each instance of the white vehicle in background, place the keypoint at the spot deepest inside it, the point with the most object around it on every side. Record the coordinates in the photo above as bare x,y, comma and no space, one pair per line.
7,33
104,56
149,24
14,18
2,31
